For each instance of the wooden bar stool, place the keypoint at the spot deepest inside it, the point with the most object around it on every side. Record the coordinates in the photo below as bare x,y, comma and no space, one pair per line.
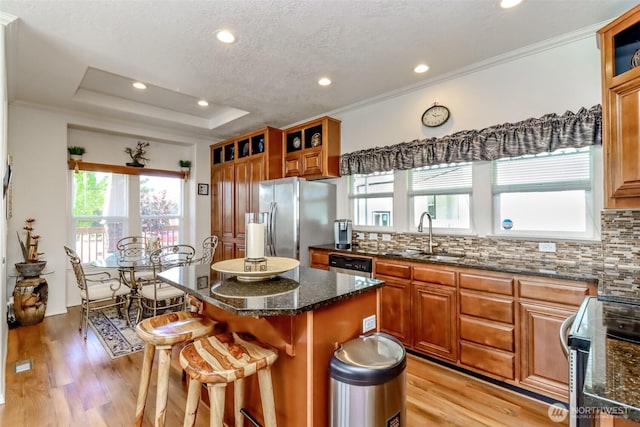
221,359
163,332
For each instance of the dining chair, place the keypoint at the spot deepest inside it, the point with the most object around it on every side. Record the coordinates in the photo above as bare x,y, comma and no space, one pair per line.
209,245
133,248
157,294
96,289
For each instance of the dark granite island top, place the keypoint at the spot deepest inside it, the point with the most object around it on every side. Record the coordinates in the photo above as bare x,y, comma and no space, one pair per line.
612,379
296,291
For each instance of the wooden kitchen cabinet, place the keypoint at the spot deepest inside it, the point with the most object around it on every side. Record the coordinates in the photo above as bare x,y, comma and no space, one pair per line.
395,299
238,166
312,149
319,259
435,329
620,57
544,304
487,323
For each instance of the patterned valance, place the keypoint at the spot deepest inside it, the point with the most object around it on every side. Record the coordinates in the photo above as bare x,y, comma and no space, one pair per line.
532,136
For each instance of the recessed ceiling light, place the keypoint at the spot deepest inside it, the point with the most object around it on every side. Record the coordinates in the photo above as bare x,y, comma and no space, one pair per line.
506,4
139,85
225,36
324,81
203,103
422,68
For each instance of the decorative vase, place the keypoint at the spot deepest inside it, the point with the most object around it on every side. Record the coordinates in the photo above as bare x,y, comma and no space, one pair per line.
135,164
30,269
75,157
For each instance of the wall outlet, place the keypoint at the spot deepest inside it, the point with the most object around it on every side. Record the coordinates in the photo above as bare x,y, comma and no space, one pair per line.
368,323
360,236
373,236
386,237
546,247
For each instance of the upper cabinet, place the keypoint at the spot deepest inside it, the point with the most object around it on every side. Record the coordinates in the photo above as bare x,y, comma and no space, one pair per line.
312,149
620,52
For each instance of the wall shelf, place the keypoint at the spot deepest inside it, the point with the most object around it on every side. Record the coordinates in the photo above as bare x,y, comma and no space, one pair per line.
126,170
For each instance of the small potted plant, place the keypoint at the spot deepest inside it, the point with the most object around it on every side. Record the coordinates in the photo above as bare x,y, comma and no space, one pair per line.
138,154
75,152
185,165
32,265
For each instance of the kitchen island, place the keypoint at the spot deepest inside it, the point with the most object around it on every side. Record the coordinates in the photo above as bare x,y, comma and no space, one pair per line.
304,313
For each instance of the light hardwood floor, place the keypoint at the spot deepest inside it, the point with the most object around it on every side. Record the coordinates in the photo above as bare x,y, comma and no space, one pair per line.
75,383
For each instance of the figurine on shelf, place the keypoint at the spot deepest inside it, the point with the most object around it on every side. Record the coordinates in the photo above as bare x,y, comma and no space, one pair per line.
138,154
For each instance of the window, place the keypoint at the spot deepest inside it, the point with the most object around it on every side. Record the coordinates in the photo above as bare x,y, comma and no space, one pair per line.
372,199
103,214
445,192
545,194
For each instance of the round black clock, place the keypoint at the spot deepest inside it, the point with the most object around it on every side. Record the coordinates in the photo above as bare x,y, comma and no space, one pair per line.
435,115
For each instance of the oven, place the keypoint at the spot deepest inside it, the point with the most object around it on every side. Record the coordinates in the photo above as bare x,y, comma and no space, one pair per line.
357,266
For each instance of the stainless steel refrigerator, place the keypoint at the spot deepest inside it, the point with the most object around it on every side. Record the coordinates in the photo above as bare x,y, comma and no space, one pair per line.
301,214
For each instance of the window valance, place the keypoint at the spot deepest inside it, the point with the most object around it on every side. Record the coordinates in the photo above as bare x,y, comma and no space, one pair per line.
532,136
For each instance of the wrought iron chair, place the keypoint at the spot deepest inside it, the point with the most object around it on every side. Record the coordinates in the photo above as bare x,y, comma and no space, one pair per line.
97,290
131,249
159,295
209,245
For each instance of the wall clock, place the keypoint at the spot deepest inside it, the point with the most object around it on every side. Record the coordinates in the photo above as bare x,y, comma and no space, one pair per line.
436,115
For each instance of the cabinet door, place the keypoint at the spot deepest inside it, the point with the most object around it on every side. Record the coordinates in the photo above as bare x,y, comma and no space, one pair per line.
227,201
435,321
243,196
292,166
544,366
217,197
257,173
319,259
395,305
622,147
228,250
312,163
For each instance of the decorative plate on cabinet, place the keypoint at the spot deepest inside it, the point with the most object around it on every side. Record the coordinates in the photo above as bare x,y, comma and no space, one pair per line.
316,139
297,142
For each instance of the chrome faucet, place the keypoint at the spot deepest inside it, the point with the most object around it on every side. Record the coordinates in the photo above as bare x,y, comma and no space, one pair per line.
431,244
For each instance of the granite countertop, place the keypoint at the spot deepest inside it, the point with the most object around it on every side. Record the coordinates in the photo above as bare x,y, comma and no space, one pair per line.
612,379
556,270
296,291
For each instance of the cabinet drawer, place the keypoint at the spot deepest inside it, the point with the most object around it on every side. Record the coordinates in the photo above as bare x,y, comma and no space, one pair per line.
487,333
561,292
498,285
430,275
320,257
486,307
486,359
395,270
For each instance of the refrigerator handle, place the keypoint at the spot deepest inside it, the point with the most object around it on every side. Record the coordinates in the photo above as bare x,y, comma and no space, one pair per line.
271,231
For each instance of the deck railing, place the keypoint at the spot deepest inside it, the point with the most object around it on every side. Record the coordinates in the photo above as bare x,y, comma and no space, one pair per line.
93,243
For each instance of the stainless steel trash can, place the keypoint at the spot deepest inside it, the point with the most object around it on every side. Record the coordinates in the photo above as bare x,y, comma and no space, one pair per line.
367,383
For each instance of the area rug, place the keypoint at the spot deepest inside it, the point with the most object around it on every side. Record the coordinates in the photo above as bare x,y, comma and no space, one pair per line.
118,338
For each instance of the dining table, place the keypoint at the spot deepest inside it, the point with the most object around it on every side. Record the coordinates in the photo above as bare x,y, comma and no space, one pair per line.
133,272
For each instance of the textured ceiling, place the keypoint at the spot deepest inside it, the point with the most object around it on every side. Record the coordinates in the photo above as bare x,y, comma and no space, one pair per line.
81,55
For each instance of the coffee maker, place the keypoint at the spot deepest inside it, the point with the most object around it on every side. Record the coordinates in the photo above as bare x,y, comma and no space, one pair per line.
342,233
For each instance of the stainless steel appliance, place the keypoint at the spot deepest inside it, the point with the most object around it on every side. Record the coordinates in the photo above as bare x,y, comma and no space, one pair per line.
357,266
575,335
342,233
301,214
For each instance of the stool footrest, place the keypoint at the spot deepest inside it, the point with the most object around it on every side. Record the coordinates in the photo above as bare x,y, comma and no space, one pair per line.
250,417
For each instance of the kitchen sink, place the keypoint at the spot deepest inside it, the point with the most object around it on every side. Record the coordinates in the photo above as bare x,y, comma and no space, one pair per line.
417,253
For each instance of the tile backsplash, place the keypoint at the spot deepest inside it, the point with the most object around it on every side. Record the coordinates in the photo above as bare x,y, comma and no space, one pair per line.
617,257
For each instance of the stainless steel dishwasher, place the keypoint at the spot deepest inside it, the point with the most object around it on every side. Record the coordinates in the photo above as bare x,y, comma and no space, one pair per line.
357,266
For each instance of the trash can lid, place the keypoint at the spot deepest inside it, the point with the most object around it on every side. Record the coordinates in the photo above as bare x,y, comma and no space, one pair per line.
368,360
375,351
